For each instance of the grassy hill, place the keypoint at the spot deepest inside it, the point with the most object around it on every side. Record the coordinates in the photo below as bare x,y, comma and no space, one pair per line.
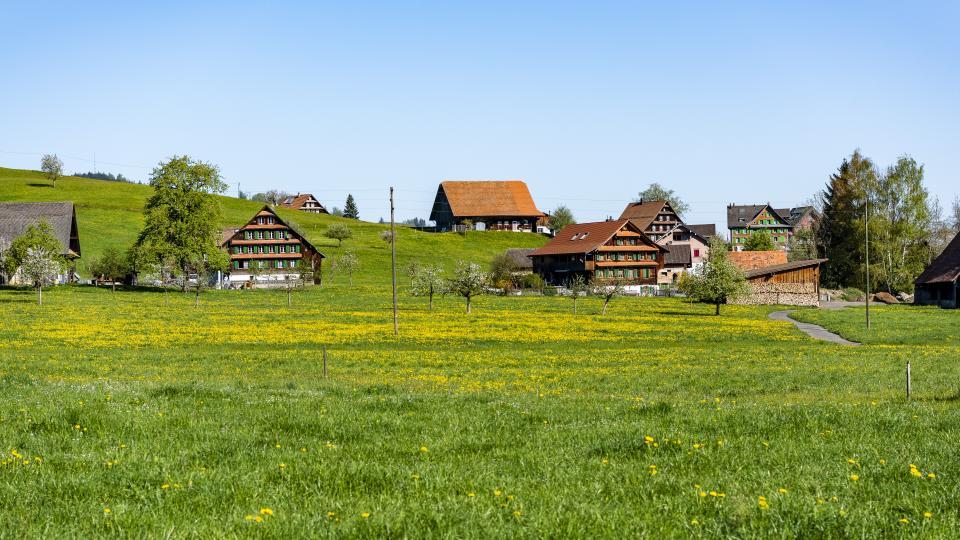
110,214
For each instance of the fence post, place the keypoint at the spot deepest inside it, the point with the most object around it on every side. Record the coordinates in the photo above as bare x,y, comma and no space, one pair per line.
324,361
908,379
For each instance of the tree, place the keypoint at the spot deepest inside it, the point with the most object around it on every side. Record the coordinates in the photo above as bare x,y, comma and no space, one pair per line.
386,236
902,223
336,212
955,214
113,265
41,267
502,269
656,192
841,232
4,255
803,245
37,236
338,232
52,168
427,280
608,289
203,266
468,280
577,286
759,241
272,197
560,218
350,208
182,217
347,263
717,281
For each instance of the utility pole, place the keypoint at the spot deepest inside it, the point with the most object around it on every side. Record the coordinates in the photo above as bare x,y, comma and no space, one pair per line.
393,264
866,228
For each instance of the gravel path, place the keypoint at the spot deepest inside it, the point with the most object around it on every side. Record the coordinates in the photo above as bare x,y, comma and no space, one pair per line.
812,330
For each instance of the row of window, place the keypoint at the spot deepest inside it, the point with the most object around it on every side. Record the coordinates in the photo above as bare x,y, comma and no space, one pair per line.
778,230
293,248
617,256
266,220
264,264
265,235
628,273
743,240
626,242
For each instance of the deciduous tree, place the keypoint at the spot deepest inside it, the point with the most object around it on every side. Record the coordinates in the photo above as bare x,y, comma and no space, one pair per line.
52,168
717,281
577,286
113,265
41,267
182,217
607,290
347,263
468,280
759,241
656,192
427,280
338,232
560,218
36,236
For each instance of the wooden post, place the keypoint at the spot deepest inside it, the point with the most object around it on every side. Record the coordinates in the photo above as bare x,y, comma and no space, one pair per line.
324,361
908,379
393,265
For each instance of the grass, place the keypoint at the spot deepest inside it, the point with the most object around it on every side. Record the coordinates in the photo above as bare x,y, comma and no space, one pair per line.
136,414
521,420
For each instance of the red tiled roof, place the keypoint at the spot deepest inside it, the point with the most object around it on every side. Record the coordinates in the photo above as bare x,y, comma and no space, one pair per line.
587,237
297,201
945,268
483,198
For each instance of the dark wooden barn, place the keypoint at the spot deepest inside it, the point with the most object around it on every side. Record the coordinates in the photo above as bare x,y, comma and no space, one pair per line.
938,284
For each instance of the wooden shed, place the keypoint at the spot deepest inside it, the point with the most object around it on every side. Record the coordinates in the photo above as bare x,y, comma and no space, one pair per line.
794,283
939,284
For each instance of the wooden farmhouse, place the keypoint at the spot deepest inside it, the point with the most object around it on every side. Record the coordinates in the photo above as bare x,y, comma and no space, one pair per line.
687,245
491,205
655,218
268,252
743,221
601,251
16,218
775,281
939,284
304,202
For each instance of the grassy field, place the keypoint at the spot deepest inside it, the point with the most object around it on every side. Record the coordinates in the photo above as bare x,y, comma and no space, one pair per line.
134,413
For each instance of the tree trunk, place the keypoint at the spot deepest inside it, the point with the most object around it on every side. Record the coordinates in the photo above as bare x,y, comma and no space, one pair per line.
288,296
40,295
431,299
113,283
604,310
574,305
718,309
196,300
468,304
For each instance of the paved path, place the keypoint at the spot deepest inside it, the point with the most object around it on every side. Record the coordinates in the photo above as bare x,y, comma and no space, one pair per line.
812,330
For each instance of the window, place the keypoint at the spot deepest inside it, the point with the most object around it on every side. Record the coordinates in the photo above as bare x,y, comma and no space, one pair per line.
260,249
696,253
270,249
293,264
283,249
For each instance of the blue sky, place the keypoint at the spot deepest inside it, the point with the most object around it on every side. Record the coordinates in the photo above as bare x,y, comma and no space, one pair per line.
588,102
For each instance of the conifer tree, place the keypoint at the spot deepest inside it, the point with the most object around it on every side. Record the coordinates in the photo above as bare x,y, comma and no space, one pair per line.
350,208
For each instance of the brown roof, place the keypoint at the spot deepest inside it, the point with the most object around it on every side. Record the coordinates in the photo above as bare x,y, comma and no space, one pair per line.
227,234
678,255
642,213
945,268
297,201
587,237
490,198
786,267
521,257
748,260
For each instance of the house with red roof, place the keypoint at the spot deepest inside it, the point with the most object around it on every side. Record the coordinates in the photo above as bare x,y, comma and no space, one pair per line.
492,205
601,251
304,202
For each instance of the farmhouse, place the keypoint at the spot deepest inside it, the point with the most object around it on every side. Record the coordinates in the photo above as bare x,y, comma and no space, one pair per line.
686,250
939,284
743,221
773,280
521,259
492,205
304,202
15,218
266,251
605,250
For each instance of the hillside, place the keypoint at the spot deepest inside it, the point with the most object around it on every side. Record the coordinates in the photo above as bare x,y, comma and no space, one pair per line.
109,214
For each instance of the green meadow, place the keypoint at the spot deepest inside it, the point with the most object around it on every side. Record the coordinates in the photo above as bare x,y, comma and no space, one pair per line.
136,414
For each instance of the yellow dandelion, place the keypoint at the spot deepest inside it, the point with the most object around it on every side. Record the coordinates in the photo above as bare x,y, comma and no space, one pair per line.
283,465
106,510
165,486
471,494
762,502
424,449
931,475
904,520
266,512
781,490
365,515
497,493
854,477
928,515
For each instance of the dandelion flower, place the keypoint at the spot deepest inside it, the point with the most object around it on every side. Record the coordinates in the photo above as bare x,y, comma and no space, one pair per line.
854,477
424,449
365,515
107,511
928,515
781,490
762,503
266,512
904,520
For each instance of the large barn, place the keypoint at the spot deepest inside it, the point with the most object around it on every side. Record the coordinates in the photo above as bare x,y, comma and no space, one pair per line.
16,217
493,205
939,284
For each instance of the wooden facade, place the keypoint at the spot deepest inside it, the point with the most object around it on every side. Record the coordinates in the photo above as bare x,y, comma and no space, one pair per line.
266,250
939,284
601,251
743,221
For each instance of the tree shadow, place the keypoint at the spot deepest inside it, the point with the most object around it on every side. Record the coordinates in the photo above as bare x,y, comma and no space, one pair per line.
40,185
